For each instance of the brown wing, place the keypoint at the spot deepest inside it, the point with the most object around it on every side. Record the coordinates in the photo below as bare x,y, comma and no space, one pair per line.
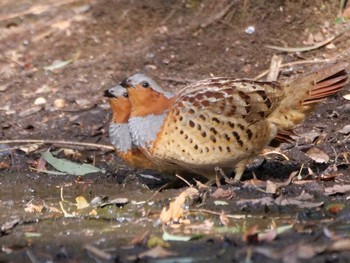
218,119
242,98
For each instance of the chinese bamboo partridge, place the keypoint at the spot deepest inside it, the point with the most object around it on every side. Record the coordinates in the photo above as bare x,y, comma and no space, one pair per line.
222,122
119,134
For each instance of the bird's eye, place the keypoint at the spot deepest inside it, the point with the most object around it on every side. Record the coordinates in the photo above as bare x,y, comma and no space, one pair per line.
145,84
125,95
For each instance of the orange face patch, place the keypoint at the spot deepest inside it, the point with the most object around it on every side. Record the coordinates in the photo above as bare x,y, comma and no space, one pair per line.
147,101
121,108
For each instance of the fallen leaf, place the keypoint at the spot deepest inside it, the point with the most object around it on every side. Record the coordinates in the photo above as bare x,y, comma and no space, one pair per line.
347,96
310,137
81,202
345,130
31,148
317,155
69,167
299,201
271,187
337,189
176,208
221,193
31,208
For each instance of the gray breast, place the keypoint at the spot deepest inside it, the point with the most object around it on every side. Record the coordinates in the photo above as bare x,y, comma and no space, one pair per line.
144,130
119,137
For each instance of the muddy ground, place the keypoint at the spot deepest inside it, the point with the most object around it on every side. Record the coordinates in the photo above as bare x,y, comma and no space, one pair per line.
57,58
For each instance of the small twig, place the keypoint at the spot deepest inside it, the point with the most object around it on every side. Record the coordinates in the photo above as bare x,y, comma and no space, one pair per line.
183,179
292,64
218,213
71,143
276,152
274,70
316,46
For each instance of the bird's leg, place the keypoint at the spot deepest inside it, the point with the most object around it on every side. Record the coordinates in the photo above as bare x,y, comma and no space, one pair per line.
239,169
219,171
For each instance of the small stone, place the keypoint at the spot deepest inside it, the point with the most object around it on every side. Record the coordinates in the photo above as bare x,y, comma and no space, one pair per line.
59,103
250,30
40,101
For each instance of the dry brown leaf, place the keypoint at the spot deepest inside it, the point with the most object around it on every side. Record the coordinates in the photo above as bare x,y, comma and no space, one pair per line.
254,183
157,252
310,137
271,187
31,208
317,155
299,201
176,210
337,189
222,193
41,164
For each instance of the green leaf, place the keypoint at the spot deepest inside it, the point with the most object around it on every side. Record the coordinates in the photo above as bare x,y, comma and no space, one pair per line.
69,167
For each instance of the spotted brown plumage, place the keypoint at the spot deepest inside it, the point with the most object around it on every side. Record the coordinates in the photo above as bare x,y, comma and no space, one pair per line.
222,122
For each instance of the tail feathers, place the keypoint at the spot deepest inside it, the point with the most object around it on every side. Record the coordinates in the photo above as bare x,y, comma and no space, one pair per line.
303,93
282,136
326,88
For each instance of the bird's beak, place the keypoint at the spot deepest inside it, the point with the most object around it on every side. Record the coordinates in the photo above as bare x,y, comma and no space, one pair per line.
125,83
108,94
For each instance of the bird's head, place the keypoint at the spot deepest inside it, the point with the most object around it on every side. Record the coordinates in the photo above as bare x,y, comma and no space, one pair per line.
118,99
146,96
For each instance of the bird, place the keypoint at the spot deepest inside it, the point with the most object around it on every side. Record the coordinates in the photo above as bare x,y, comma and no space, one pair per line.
119,134
222,122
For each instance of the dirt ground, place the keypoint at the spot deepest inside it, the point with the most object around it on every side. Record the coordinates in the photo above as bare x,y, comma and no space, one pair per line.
57,58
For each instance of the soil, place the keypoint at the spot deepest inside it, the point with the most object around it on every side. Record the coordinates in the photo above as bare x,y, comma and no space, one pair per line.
98,43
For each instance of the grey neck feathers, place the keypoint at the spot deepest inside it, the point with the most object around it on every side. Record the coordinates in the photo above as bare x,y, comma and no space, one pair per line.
144,130
119,136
